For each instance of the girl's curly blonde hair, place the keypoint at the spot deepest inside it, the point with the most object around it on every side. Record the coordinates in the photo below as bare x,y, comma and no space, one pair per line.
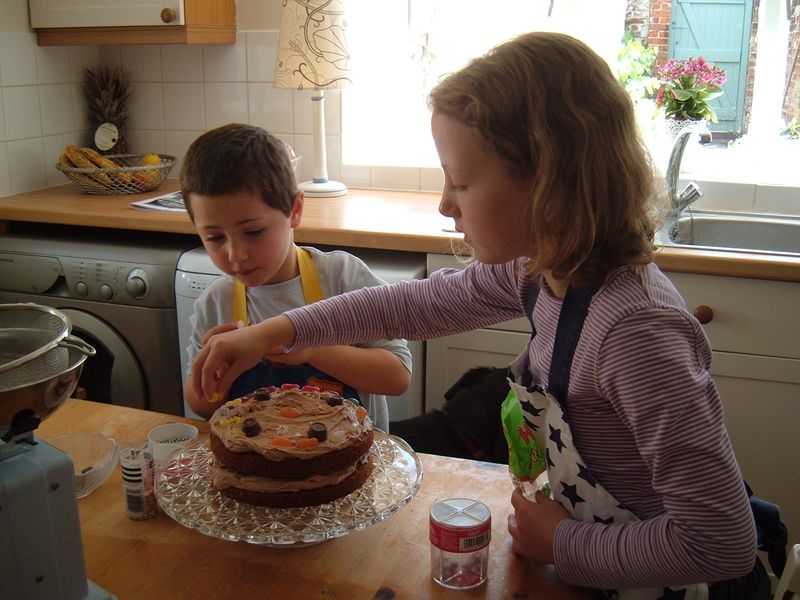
551,109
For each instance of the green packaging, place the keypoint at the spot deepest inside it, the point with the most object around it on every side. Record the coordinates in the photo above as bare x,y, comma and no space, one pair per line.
526,459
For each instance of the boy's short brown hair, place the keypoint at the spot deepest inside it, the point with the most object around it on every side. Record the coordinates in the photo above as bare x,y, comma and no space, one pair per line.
235,158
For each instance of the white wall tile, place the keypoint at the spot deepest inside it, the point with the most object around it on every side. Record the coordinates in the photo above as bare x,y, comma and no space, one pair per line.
724,195
142,141
22,114
53,147
779,199
226,62
431,180
146,106
58,115
81,57
182,63
18,58
2,118
143,63
52,64
270,108
356,176
177,143
304,147
395,178
184,106
225,103
110,56
5,174
79,108
26,163
262,48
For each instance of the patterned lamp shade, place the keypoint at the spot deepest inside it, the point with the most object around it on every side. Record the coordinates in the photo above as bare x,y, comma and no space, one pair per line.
312,49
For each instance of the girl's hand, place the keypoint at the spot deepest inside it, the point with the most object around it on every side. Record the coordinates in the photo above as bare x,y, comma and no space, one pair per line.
227,355
533,526
299,357
218,329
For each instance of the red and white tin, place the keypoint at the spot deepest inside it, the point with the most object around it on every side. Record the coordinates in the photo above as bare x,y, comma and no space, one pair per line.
460,532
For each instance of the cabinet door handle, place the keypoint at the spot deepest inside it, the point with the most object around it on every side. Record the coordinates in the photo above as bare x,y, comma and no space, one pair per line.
704,314
168,15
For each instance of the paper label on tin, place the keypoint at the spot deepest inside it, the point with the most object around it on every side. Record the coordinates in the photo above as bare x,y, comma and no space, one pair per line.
106,136
461,539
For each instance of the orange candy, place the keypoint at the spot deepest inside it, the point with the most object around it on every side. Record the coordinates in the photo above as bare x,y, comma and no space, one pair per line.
361,412
289,413
283,442
307,442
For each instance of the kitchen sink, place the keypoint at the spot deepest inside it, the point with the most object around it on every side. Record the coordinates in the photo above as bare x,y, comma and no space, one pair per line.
745,232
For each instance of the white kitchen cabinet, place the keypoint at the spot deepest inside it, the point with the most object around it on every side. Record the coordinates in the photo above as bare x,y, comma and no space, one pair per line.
87,22
447,358
755,339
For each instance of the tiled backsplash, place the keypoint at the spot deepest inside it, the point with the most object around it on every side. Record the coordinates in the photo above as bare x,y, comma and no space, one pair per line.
177,92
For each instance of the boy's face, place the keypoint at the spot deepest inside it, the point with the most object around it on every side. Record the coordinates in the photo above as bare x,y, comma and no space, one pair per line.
247,239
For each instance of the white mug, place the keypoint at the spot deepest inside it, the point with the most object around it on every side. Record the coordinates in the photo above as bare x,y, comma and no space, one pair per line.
167,439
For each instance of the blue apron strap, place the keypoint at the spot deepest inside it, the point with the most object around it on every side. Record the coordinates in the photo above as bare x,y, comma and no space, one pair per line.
574,309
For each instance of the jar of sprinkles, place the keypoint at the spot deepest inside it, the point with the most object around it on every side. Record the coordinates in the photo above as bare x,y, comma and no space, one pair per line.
460,532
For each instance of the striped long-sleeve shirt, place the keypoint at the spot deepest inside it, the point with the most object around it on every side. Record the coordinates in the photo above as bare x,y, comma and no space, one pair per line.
645,414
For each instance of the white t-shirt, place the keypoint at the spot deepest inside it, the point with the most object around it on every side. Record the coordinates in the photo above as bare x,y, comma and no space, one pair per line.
338,272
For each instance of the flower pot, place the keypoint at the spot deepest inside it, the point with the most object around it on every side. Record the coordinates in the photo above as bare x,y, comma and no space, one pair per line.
674,126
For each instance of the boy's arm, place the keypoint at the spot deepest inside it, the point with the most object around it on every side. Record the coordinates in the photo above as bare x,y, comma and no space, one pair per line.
369,370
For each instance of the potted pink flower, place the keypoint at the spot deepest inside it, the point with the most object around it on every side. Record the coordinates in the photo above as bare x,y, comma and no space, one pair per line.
687,87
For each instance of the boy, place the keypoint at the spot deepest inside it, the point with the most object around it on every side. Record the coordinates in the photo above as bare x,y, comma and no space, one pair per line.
240,192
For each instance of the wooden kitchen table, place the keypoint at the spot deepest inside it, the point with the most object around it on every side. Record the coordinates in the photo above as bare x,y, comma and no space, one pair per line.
160,558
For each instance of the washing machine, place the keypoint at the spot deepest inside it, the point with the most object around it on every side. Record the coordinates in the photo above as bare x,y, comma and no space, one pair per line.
117,288
196,271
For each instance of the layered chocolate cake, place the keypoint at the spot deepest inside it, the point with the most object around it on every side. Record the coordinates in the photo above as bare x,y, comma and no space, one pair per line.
290,447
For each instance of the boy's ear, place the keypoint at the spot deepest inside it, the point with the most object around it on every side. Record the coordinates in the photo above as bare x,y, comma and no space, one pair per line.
297,210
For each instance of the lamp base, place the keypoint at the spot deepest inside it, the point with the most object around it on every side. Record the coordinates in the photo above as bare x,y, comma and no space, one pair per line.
328,188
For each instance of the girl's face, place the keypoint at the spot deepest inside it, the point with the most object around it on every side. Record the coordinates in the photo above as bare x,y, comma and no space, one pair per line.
247,239
486,202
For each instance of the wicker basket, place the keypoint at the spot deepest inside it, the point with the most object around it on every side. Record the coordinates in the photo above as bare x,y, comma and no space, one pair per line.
132,177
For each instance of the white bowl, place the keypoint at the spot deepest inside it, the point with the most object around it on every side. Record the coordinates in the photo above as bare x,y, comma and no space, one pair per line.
94,456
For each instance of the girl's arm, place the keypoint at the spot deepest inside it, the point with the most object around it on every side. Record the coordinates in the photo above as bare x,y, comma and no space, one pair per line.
370,370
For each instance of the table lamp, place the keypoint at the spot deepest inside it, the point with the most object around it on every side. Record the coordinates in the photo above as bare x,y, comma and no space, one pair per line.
312,54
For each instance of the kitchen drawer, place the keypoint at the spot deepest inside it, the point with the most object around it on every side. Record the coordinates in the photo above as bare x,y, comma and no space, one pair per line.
750,316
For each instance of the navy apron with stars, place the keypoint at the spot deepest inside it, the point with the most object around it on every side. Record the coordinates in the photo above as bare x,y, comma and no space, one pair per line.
545,411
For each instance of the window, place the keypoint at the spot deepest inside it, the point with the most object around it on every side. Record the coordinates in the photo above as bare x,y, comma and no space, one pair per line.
400,48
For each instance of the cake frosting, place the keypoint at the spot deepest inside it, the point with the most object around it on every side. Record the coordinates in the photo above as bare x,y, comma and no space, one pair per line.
290,447
284,419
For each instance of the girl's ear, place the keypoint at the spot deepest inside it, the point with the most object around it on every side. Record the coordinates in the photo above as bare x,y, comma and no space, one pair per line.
295,216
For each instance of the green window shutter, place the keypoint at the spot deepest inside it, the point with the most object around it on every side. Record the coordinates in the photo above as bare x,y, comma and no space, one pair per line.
718,30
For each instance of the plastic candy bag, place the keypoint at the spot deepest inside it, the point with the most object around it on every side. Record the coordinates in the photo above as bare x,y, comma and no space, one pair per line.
526,459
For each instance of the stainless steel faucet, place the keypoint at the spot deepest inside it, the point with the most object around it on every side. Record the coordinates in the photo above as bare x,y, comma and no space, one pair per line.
678,202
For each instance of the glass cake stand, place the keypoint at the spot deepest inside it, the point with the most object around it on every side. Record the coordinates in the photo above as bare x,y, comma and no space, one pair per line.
185,493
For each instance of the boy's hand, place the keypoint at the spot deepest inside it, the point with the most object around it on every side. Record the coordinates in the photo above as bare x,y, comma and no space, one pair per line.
533,526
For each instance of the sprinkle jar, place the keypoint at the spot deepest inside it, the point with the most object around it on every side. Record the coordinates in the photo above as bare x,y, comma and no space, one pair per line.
460,532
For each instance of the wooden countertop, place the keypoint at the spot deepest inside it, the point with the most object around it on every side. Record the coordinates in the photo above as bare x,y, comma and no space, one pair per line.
160,558
406,221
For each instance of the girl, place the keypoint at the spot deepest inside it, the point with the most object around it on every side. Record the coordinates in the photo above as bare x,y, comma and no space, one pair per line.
548,180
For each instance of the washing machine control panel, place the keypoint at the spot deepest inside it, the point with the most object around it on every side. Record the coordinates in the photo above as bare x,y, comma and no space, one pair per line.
119,282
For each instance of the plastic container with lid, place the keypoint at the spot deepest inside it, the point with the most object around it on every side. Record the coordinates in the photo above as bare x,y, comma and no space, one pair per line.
460,532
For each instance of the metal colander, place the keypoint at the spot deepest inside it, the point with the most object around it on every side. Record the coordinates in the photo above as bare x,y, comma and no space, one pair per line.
33,344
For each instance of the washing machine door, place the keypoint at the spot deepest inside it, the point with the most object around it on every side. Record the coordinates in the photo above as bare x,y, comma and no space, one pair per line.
113,375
